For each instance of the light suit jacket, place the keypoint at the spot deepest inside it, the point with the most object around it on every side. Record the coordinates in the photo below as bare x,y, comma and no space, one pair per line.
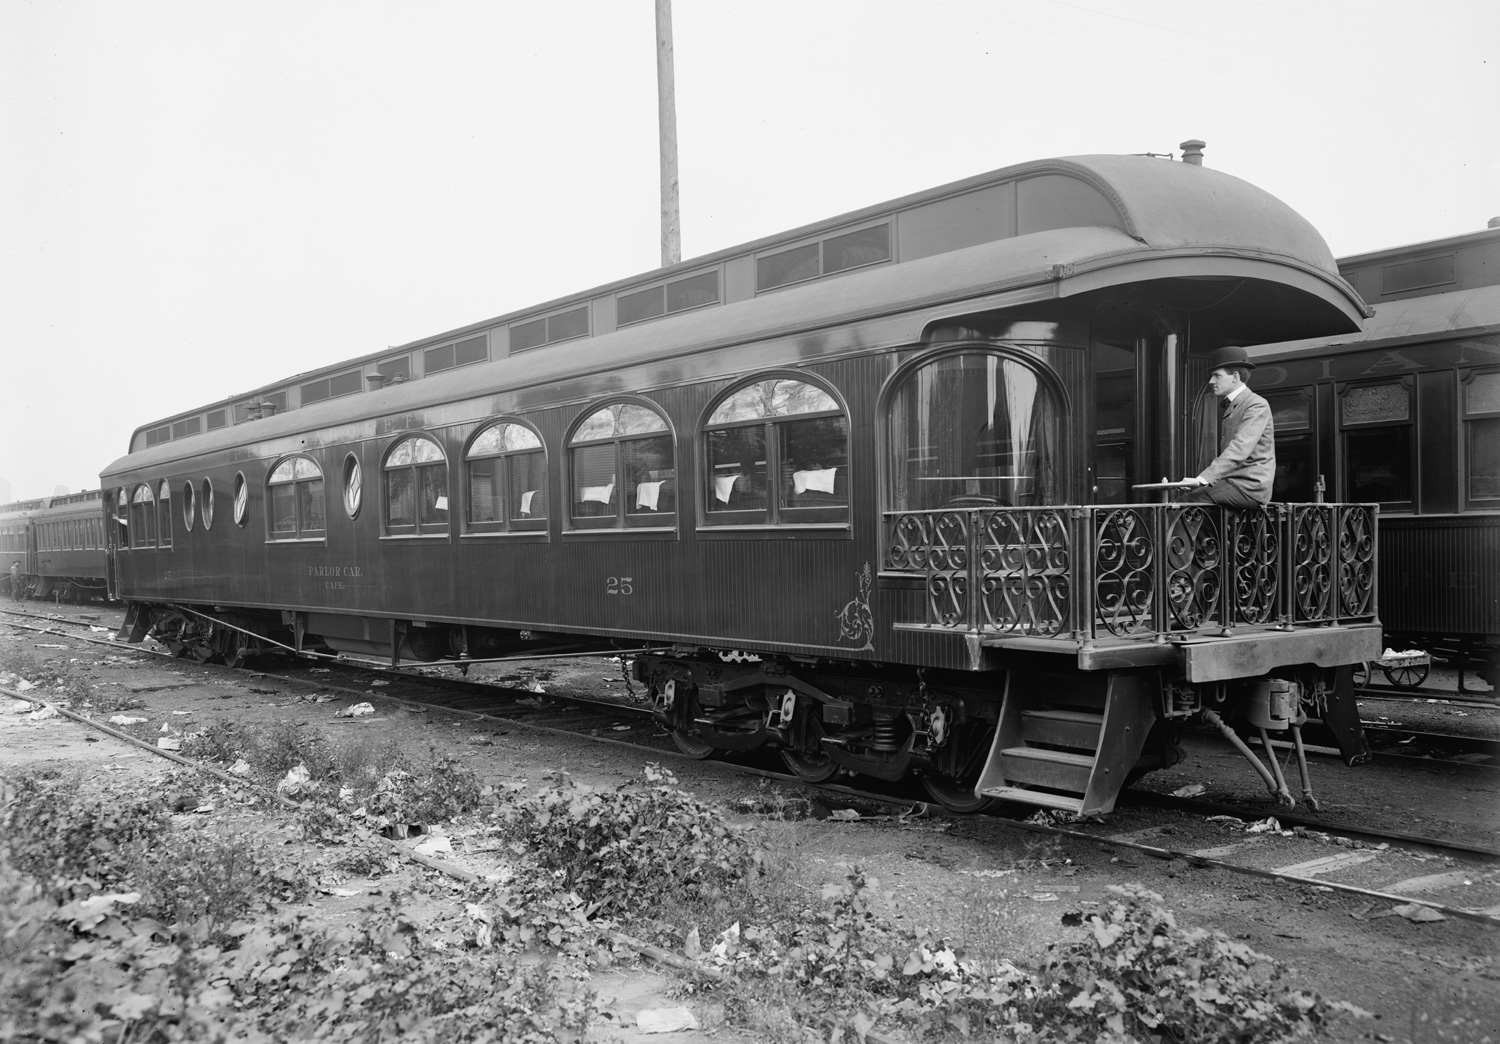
1247,448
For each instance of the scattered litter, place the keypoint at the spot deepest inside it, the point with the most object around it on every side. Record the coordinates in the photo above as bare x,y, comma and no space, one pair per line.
359,710
533,686
484,931
295,778
344,893
125,719
43,714
1043,897
622,728
182,712
21,707
1270,824
25,686
168,743
103,629
432,845
241,767
207,806
1225,819
319,670
1191,790
380,682
165,727
665,1020
49,645
1417,912
987,873
843,813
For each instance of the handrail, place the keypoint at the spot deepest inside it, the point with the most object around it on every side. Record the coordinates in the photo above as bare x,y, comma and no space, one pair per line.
1145,571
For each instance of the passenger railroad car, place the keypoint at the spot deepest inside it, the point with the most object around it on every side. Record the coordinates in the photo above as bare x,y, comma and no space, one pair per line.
866,489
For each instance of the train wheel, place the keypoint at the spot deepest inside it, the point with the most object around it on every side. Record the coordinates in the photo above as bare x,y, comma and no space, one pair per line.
201,651
1360,677
1406,677
810,768
693,746
236,649
955,795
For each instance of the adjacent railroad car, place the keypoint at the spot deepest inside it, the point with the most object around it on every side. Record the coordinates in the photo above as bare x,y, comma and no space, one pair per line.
57,544
1406,412
865,490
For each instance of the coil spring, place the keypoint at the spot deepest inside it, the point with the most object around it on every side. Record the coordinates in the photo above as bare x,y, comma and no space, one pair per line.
887,734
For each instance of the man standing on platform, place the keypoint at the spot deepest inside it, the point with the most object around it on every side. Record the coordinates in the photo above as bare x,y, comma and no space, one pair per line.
1242,474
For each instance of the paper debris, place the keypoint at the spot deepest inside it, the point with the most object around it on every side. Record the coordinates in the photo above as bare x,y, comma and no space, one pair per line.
433,845
843,813
665,1020
168,743
21,707
1191,790
1417,912
359,710
125,719
295,778
241,767
43,714
25,686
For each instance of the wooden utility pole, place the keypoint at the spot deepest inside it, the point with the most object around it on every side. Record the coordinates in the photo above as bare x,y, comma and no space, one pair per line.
666,118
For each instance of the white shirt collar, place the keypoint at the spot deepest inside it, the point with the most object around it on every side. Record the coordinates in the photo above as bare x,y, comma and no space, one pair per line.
1237,392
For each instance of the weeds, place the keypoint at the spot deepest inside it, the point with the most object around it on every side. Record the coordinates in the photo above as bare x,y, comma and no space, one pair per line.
635,848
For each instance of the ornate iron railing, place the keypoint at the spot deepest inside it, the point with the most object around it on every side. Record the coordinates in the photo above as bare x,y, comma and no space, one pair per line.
1137,570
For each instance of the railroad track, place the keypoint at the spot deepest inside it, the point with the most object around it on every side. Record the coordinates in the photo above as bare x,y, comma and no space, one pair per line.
626,722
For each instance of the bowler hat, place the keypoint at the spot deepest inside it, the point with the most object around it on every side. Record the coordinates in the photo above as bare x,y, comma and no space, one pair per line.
1232,355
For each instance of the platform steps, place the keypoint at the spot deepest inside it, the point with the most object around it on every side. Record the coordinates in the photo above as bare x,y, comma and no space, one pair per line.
1068,741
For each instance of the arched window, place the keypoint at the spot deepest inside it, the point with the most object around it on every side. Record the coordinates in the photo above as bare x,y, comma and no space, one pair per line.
777,452
164,512
416,488
622,469
295,494
507,479
142,517
971,429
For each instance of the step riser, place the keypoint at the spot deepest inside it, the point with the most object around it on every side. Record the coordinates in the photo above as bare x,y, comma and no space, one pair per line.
1060,733
1045,773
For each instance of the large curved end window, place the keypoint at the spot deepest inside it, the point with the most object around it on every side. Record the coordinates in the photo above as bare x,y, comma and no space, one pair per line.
164,512
973,429
778,453
622,469
354,486
142,517
416,488
507,479
208,504
295,494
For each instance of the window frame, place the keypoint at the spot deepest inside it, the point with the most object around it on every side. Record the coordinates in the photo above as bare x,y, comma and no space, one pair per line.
143,520
774,515
241,501
622,521
300,532
506,526
164,515
1307,434
1341,391
352,489
189,505
1048,380
1470,418
418,530
206,510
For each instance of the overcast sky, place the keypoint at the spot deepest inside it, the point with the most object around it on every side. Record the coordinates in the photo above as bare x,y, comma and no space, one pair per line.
198,198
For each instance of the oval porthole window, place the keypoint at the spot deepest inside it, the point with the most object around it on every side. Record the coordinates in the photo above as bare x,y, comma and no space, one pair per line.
353,486
241,499
208,504
189,507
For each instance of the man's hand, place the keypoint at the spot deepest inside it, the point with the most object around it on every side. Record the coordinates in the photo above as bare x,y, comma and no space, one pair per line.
1194,480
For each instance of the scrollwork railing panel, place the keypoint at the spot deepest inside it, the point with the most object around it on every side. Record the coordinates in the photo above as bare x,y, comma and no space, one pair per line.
1356,579
1125,564
1312,562
1024,558
1192,560
1256,537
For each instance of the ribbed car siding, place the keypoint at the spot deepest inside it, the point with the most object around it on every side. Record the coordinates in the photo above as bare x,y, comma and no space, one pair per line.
1440,575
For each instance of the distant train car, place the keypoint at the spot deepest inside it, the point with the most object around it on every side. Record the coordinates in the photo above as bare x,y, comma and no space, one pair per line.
16,546
866,490
70,560
1406,413
57,546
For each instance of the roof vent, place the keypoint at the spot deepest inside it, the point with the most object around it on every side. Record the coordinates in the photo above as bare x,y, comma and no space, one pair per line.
1192,151
1494,223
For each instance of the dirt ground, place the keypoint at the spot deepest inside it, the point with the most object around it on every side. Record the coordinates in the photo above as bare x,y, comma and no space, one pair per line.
990,886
